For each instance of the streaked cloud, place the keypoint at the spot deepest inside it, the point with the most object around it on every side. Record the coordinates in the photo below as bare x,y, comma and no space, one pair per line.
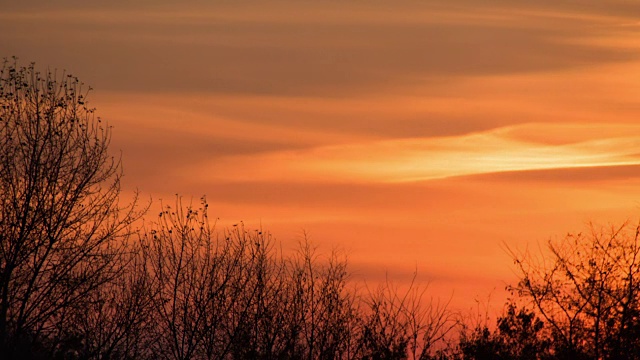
304,49
420,159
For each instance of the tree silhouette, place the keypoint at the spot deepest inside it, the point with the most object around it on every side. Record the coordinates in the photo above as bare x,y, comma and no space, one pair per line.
588,290
61,225
400,325
233,295
577,300
519,335
76,280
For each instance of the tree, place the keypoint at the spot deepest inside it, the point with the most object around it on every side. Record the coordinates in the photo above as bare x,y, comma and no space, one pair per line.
62,229
403,324
74,282
519,335
323,316
197,280
116,322
232,294
587,290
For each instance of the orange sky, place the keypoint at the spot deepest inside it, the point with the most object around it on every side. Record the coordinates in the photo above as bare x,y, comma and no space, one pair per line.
412,134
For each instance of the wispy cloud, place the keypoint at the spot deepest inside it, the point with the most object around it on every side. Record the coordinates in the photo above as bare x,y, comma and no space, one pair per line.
304,49
420,159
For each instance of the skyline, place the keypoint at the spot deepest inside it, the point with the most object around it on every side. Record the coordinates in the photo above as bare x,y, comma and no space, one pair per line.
422,135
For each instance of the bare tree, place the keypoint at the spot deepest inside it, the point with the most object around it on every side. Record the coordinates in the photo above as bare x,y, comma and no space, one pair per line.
115,322
402,324
587,290
209,289
73,281
62,228
231,294
180,253
323,312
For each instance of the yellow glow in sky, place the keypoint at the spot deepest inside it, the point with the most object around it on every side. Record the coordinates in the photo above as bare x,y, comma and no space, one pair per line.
435,158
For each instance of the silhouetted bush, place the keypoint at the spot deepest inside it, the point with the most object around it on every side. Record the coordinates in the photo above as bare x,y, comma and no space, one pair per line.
520,335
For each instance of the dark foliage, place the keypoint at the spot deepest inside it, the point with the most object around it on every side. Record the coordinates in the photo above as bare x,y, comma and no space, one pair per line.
519,336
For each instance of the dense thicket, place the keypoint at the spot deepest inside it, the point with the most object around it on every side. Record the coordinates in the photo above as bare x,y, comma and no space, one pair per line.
78,281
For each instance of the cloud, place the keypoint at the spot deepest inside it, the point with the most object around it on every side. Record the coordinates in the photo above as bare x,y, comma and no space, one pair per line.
596,174
254,50
420,159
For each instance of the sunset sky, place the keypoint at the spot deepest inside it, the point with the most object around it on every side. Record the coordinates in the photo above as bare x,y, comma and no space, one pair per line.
428,135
